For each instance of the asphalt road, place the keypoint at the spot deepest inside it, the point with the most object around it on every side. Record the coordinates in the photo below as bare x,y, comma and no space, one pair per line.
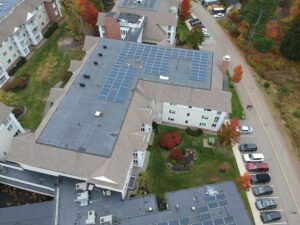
283,169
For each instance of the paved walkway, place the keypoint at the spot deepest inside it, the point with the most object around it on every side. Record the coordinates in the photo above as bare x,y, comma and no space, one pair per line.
251,197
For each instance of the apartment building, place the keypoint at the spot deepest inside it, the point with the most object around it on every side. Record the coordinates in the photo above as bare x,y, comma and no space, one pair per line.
147,21
21,25
9,128
100,124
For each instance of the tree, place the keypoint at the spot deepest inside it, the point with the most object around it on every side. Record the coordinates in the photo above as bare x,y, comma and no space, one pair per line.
8,98
170,140
99,5
237,74
177,154
244,181
290,45
185,10
72,17
88,11
196,37
228,134
272,29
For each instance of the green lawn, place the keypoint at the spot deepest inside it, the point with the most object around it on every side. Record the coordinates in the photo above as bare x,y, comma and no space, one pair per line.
159,179
47,66
236,105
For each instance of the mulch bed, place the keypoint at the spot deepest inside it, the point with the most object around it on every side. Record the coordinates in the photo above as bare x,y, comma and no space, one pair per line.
185,164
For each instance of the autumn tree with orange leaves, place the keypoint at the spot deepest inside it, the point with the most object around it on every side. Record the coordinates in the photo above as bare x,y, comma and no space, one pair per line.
228,134
244,181
185,9
88,11
237,74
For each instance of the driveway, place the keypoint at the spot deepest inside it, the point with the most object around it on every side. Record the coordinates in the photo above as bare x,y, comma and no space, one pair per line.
283,168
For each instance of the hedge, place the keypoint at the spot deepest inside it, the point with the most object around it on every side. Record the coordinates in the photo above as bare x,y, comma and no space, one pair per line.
50,30
194,132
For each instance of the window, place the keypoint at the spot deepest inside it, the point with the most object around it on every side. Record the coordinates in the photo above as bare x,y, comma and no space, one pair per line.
205,117
207,110
17,133
202,124
170,119
10,127
219,113
169,27
14,55
188,114
169,35
216,119
135,154
190,107
135,161
4,53
10,48
2,79
172,111
214,125
186,121
8,61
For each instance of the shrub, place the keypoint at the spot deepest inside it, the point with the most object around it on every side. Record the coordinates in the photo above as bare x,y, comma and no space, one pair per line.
284,89
18,83
176,154
296,114
267,84
234,31
50,30
194,132
263,44
20,63
18,111
170,140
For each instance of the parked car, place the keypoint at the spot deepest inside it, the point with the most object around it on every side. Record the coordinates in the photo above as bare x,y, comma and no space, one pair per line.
257,167
248,147
260,178
245,129
262,190
265,204
194,22
219,15
268,217
253,157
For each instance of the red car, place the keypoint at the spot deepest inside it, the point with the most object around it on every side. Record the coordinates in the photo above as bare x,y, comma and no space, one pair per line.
257,167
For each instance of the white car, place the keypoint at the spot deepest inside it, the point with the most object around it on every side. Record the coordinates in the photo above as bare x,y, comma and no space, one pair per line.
219,15
245,129
255,157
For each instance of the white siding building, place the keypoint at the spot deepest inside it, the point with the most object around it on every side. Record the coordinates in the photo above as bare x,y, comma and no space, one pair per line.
9,128
21,26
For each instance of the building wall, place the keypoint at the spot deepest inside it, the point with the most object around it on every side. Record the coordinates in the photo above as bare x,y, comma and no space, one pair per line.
8,129
3,75
26,35
171,32
189,116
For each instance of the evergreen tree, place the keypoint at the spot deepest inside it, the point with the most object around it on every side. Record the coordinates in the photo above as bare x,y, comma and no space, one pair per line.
290,45
99,5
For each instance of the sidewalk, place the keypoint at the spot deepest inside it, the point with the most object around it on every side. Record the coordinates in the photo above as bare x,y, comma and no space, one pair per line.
251,197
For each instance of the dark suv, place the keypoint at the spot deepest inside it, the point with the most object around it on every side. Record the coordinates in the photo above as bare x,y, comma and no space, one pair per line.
268,217
248,147
260,178
194,22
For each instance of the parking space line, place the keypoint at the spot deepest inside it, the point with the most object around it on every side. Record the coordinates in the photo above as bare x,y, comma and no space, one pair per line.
278,223
267,197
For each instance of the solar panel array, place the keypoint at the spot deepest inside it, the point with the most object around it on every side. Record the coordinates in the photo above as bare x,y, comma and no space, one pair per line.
154,60
6,6
141,4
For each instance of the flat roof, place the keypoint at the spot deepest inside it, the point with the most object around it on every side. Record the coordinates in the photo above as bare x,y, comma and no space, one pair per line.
106,84
216,204
129,17
152,5
6,7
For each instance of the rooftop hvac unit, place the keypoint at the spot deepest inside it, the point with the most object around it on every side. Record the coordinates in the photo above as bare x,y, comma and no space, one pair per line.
100,54
106,219
150,209
139,1
95,63
104,46
86,76
81,84
98,114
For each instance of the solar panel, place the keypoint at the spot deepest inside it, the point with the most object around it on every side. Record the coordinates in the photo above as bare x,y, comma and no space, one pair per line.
205,216
174,222
184,221
228,219
163,223
197,223
209,222
218,222
203,209
223,203
209,198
